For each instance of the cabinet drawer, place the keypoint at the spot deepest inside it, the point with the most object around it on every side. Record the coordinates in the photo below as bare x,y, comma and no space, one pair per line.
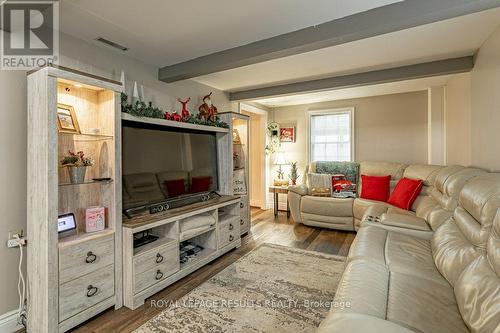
228,232
86,257
243,204
150,277
77,295
168,253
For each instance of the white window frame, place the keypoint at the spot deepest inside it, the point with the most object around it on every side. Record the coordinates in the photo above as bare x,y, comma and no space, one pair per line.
312,113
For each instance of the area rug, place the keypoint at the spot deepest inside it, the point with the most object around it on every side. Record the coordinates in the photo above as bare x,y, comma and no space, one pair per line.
271,289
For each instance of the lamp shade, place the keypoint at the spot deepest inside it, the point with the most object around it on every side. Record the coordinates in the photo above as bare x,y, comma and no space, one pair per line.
280,159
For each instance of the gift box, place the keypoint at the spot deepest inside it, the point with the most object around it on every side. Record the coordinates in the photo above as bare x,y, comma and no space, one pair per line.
95,219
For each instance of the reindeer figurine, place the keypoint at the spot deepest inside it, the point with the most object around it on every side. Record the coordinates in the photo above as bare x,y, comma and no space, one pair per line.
184,112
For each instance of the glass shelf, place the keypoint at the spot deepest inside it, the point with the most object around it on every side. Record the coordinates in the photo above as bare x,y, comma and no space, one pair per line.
103,182
85,137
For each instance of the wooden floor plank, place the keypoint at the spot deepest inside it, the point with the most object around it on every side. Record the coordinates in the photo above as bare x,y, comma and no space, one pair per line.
265,229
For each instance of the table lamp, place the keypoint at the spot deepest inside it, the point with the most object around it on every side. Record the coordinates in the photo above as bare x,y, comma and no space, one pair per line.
280,159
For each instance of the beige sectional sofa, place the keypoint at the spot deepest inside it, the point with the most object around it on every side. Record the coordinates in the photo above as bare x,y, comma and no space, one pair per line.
434,203
397,281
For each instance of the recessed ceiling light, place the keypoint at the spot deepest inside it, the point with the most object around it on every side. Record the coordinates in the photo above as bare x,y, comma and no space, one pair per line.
77,85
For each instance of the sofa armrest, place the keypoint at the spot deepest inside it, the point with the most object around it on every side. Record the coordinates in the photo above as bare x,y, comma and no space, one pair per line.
299,189
354,322
405,221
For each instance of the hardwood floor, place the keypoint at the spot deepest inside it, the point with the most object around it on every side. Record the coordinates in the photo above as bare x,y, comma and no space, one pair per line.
265,229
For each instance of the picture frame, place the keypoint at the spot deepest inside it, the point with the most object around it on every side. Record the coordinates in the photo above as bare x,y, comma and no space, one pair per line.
287,134
66,119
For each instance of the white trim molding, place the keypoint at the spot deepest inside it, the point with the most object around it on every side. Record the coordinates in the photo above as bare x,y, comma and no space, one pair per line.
349,110
8,322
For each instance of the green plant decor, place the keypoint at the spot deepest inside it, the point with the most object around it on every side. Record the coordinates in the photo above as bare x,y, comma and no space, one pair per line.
141,109
76,159
294,173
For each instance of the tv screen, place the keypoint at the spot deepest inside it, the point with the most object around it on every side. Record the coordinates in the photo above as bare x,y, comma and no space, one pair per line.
160,163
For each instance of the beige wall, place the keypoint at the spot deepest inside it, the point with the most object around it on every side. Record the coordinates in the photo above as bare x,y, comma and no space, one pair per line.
436,132
257,159
83,56
485,105
12,179
389,127
458,120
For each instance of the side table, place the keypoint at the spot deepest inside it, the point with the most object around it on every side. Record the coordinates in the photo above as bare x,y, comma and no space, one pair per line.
277,190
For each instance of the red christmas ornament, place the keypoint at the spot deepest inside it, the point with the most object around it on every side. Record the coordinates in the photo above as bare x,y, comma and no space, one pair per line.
176,116
184,112
167,116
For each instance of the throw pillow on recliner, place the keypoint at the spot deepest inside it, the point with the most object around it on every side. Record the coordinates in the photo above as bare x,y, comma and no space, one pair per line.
319,184
375,187
405,193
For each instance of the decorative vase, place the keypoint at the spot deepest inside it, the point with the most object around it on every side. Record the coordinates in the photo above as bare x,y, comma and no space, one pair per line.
77,174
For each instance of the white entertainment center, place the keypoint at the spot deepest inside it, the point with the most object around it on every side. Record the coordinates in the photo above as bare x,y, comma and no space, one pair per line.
72,279
150,268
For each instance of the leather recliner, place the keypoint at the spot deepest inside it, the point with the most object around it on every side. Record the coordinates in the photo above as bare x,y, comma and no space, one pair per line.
395,282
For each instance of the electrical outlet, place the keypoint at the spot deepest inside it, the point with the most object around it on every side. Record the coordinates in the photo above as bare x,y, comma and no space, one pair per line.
14,242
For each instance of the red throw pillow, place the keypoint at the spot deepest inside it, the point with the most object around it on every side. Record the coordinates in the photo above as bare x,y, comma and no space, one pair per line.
175,187
405,193
375,187
200,184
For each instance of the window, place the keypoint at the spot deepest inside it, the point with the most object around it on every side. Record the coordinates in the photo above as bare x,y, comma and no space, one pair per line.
331,135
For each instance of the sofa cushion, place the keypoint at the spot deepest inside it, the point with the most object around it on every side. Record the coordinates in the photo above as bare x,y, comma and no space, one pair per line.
317,181
478,295
354,322
416,295
405,193
462,239
449,182
478,287
399,252
395,170
364,287
327,206
375,187
423,305
425,172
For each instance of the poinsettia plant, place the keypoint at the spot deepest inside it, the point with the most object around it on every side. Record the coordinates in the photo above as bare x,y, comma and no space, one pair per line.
76,159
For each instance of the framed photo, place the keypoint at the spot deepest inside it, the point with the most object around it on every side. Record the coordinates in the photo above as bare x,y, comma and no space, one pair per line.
66,119
287,134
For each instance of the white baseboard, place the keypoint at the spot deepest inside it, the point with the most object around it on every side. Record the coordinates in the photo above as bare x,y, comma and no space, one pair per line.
8,322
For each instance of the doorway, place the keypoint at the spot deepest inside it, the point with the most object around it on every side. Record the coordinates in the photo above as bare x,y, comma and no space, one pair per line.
257,157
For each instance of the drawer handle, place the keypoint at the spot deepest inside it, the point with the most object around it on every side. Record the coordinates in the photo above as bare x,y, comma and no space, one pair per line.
91,290
241,205
241,221
90,257
231,227
159,275
159,258
231,238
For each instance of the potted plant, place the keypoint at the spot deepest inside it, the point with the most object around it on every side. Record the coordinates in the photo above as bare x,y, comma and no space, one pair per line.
294,173
77,165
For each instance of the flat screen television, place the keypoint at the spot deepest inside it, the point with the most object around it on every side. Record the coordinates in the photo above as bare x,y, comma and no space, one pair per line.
160,163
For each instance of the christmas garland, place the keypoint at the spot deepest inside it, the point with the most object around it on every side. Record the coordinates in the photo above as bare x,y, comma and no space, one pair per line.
141,109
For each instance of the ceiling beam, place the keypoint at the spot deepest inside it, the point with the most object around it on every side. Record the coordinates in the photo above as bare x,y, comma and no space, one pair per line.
428,69
374,22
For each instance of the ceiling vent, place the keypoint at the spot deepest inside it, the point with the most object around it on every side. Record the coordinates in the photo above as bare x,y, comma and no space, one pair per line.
112,44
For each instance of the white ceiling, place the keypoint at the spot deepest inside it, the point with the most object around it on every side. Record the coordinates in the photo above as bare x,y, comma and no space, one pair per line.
451,38
356,92
161,32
